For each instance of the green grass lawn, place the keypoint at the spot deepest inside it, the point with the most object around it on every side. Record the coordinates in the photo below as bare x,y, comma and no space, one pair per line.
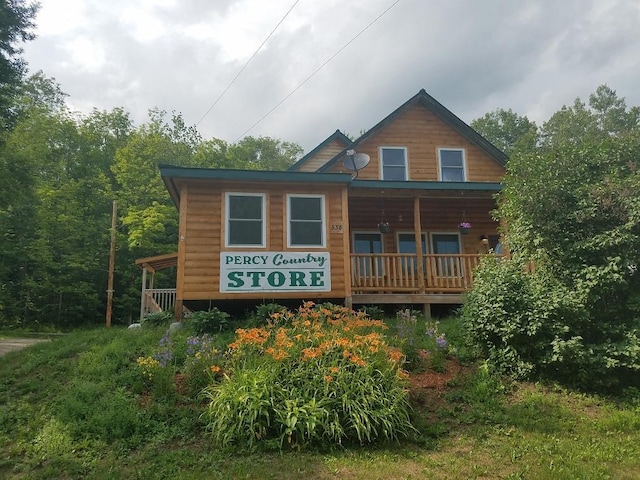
76,407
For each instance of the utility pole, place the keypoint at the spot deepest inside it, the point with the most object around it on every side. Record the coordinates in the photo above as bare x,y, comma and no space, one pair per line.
112,262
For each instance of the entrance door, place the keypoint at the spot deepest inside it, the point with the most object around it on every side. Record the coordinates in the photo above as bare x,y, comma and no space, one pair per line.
367,243
446,244
407,244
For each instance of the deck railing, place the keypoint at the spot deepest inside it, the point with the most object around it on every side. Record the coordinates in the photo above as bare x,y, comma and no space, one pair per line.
399,272
158,300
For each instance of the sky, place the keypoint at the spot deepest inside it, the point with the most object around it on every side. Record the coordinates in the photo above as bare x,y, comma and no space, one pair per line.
473,56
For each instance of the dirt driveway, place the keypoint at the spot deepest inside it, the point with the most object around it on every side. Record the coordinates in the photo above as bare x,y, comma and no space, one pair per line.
10,344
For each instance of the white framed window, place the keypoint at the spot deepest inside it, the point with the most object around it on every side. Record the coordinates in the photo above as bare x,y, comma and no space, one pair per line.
245,219
306,220
393,163
452,164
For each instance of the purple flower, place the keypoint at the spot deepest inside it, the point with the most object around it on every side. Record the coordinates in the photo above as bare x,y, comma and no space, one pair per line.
441,342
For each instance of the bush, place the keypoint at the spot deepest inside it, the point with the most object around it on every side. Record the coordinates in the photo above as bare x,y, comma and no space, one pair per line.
264,313
327,377
531,325
211,321
158,319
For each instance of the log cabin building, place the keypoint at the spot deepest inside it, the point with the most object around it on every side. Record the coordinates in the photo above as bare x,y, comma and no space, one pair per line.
401,215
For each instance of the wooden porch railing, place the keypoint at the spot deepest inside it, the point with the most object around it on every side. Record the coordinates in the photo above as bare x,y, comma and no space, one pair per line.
157,300
398,273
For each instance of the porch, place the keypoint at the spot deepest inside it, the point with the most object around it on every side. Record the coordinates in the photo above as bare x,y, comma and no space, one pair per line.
388,278
383,278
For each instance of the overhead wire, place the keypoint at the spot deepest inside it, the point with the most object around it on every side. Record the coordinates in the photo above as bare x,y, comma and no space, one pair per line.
247,63
317,70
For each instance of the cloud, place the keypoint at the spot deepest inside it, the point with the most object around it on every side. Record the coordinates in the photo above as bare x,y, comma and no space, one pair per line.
473,57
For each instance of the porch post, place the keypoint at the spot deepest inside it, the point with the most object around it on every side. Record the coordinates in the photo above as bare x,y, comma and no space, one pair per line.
143,296
417,230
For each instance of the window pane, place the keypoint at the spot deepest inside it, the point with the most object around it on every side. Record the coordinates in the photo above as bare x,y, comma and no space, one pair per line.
367,243
306,208
452,175
249,207
446,243
451,158
393,156
245,232
306,233
407,243
393,173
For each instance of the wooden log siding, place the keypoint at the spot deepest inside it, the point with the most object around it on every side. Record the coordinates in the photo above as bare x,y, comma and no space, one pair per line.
204,236
397,273
422,133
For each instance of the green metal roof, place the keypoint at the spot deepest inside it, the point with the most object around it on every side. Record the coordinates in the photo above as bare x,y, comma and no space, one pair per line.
170,173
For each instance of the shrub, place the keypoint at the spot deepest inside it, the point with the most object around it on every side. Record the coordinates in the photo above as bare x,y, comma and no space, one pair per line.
158,319
264,313
211,321
327,377
529,324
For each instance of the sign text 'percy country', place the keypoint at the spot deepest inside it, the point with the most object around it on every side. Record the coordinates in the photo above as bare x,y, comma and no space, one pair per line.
275,272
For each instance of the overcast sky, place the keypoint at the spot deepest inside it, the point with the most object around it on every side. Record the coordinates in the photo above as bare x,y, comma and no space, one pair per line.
473,56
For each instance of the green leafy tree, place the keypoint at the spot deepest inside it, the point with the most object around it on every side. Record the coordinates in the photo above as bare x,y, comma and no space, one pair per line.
507,130
573,210
16,24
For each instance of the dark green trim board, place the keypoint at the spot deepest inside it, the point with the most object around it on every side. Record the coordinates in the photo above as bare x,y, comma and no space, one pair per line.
427,185
337,135
426,100
170,173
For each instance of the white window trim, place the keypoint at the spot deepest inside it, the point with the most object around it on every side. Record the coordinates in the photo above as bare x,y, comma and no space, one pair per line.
322,211
227,203
406,161
464,161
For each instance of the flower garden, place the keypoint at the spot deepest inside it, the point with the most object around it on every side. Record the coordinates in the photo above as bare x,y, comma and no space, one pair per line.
320,375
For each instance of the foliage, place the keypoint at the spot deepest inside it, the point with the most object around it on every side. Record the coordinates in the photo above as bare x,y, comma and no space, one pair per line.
522,431
422,344
16,19
158,319
572,209
265,312
212,321
327,377
507,130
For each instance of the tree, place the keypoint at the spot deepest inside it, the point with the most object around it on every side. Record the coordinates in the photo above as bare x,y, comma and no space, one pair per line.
16,22
572,209
603,117
507,130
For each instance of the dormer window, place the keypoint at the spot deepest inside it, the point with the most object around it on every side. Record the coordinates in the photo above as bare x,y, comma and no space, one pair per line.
393,163
452,165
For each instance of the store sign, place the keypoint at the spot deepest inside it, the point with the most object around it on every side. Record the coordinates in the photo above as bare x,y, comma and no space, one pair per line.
275,272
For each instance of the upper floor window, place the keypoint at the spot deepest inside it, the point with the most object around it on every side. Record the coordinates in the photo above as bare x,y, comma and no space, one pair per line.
306,221
393,161
452,165
245,219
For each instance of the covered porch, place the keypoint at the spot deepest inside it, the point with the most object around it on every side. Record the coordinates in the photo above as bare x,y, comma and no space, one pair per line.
154,300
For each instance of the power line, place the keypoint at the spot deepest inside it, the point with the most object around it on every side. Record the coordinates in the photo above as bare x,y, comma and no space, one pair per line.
248,61
317,70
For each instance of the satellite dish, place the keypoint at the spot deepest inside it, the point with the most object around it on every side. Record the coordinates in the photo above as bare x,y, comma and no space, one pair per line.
355,161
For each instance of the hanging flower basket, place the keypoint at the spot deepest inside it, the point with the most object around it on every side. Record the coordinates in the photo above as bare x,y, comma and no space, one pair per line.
464,227
383,227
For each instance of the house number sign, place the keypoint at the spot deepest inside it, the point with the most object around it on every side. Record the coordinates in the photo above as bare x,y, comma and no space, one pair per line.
245,272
